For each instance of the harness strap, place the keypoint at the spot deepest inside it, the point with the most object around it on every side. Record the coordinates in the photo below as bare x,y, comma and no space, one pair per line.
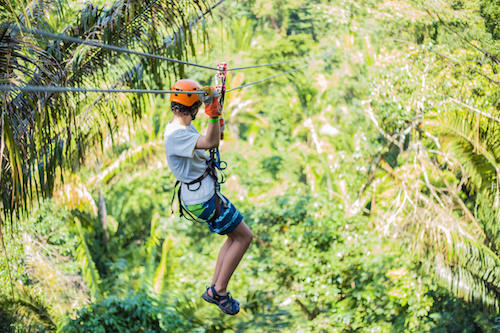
198,180
211,170
183,211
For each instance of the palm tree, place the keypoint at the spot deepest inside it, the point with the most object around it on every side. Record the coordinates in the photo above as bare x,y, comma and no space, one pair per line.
439,190
44,134
443,195
473,262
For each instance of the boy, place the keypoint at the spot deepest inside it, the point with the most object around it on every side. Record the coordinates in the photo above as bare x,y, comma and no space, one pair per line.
189,163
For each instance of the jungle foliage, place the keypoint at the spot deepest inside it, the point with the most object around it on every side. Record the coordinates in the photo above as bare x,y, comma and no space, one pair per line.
370,179
46,133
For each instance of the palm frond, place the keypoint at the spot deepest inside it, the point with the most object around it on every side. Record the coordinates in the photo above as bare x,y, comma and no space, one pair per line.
466,266
475,144
42,132
28,310
426,212
489,215
464,284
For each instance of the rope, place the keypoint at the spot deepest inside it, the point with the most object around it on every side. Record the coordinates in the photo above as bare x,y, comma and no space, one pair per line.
266,79
106,46
29,88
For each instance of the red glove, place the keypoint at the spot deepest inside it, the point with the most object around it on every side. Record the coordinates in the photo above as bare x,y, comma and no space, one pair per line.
211,99
213,109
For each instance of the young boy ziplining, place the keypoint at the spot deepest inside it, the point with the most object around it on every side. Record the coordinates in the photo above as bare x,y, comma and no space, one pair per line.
189,163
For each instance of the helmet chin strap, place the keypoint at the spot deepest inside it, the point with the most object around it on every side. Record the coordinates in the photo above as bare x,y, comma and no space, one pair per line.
193,115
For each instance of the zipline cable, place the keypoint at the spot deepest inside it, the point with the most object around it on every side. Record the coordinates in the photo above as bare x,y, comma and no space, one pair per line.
106,46
59,89
115,48
35,89
271,64
266,79
282,62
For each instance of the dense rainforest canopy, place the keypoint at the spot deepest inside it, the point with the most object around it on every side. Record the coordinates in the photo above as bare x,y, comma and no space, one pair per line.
369,173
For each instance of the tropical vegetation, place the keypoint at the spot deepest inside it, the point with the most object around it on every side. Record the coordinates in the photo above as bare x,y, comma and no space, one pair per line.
370,176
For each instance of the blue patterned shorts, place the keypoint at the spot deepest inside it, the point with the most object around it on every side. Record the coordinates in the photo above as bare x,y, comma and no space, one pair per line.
227,221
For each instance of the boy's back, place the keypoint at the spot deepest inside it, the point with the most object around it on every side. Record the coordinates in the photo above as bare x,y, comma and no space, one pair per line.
187,163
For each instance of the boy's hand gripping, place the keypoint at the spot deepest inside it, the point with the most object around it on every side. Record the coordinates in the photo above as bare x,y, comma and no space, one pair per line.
211,100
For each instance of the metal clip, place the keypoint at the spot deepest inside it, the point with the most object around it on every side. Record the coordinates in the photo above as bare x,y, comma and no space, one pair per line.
220,77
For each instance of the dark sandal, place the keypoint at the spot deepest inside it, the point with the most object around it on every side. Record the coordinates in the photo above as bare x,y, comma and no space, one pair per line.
207,297
226,303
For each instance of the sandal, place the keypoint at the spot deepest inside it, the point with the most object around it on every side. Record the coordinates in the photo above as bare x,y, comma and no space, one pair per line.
207,297
226,303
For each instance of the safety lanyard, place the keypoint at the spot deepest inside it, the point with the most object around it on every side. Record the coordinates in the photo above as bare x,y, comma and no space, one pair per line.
220,86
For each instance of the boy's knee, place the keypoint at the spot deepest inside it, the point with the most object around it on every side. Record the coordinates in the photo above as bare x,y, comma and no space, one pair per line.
242,234
249,237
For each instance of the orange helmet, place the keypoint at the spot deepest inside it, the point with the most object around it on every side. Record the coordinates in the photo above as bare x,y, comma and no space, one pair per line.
185,99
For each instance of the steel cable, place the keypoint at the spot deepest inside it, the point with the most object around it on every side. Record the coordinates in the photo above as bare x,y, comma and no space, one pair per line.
271,64
106,46
59,89
39,89
267,78
281,62
115,48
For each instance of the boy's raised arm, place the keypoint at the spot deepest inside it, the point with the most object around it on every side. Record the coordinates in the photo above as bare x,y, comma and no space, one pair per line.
212,138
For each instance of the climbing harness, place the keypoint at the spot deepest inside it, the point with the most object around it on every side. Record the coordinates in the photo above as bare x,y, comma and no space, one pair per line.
220,86
213,166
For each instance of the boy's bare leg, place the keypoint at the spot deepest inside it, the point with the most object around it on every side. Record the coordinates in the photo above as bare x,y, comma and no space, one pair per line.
220,259
241,237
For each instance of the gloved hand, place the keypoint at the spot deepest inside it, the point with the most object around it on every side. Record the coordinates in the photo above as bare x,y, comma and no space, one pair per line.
211,100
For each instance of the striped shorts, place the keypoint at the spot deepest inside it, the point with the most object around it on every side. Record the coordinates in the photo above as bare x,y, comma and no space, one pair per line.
227,221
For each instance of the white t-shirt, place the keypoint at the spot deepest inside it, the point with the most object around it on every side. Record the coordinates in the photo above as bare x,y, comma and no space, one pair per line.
188,163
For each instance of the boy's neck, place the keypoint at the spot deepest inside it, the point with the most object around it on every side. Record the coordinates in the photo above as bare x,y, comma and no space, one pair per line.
184,120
